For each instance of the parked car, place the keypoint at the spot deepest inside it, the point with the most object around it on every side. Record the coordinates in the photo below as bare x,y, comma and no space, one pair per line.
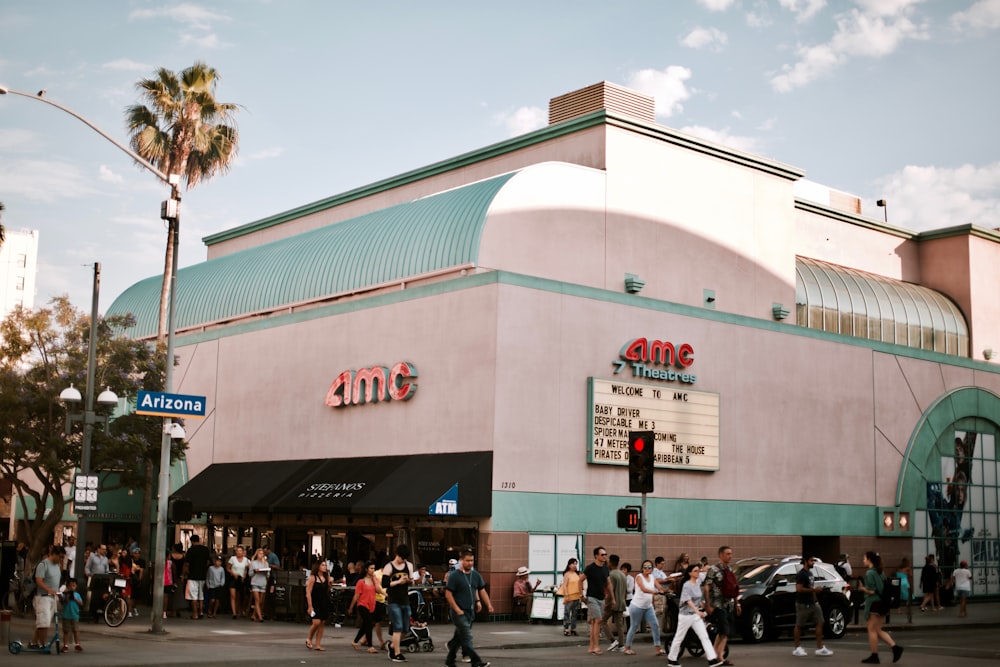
767,596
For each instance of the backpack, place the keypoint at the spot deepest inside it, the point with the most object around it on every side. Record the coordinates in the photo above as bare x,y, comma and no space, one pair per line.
730,588
890,592
839,567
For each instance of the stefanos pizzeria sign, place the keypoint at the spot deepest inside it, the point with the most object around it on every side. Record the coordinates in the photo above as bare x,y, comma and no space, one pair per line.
373,385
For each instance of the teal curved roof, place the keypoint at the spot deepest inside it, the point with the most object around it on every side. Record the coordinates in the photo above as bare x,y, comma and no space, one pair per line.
409,239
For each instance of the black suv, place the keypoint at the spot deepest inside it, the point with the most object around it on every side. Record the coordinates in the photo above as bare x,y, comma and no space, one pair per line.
767,596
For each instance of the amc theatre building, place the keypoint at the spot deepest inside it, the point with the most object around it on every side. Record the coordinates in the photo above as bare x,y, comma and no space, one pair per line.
457,354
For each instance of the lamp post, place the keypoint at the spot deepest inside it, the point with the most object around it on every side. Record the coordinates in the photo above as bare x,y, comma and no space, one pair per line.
170,212
71,398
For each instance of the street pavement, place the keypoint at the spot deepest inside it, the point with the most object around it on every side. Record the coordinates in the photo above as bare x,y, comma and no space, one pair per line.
224,641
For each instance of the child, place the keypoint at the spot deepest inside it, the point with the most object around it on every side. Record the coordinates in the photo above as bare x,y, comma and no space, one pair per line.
215,584
72,603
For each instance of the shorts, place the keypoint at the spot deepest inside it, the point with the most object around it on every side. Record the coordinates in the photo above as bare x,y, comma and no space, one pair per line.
595,609
961,593
258,589
724,620
379,614
213,593
808,614
195,590
71,627
399,618
44,605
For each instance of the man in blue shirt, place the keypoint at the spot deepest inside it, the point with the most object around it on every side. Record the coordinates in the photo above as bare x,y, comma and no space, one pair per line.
466,594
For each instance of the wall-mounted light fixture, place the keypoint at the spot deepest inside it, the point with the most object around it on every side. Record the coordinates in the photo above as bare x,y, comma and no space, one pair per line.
633,283
779,311
884,205
709,298
904,521
988,353
888,521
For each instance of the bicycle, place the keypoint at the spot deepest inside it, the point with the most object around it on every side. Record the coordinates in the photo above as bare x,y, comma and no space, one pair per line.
116,606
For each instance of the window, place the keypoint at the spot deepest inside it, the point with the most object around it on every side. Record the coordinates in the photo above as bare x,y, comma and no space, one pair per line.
855,303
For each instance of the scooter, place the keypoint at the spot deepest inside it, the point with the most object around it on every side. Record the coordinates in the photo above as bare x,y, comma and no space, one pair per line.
53,646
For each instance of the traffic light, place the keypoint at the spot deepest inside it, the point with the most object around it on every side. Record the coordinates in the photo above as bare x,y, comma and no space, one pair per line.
630,518
181,510
640,461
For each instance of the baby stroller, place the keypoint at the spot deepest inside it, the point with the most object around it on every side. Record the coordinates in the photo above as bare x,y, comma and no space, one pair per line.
419,637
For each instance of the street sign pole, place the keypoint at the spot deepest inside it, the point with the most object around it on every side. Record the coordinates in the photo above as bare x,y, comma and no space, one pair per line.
642,520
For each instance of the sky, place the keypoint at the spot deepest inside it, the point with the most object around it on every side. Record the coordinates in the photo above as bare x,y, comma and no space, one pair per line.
884,99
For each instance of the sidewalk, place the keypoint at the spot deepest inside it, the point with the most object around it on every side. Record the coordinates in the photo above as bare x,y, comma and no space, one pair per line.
493,635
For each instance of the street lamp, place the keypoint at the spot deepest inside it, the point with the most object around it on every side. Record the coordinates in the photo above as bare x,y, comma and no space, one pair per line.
170,212
71,398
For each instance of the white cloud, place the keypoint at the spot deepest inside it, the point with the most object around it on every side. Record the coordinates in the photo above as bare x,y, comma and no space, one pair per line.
189,14
266,154
126,65
716,5
209,41
700,38
874,32
758,19
724,137
923,198
17,140
43,180
108,176
803,9
983,15
666,86
523,120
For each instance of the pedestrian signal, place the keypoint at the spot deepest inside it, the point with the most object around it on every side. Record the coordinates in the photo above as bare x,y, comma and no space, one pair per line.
630,518
640,461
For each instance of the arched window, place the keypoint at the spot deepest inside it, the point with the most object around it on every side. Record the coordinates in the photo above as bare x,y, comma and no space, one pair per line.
855,303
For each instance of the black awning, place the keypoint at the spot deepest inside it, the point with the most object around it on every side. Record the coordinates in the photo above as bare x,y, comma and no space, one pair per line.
241,487
451,484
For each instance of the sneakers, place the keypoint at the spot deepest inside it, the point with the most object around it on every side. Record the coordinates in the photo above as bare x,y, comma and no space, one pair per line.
718,663
872,659
673,663
799,651
897,653
466,658
484,664
398,658
614,646
822,650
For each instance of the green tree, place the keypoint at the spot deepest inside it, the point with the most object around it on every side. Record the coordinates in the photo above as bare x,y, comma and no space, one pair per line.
182,129
41,353
3,232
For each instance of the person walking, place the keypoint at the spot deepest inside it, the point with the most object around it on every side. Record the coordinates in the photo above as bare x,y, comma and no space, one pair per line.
259,571
396,576
365,591
196,563
641,607
465,593
571,590
807,609
961,581
598,590
215,584
613,621
318,587
905,574
692,616
721,604
929,580
876,610
237,567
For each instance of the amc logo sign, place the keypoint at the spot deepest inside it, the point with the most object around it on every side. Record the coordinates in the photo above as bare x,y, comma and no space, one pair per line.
371,385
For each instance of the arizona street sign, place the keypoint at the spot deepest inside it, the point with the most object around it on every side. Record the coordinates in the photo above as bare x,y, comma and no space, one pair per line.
162,404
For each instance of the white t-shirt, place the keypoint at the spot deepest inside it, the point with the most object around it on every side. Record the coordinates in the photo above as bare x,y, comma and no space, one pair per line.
640,598
963,579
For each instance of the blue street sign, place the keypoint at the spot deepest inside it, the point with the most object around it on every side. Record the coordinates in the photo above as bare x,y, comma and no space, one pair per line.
162,404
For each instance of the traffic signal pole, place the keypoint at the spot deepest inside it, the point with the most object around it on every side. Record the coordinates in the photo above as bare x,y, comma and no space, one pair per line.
642,523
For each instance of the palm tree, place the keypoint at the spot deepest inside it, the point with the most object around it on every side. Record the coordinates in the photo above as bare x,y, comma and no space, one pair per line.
183,130
3,232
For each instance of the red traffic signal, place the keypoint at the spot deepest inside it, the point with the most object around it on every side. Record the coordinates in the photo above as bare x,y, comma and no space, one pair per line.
640,461
630,518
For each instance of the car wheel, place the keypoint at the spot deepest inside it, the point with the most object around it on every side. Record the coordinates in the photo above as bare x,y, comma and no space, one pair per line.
836,622
755,627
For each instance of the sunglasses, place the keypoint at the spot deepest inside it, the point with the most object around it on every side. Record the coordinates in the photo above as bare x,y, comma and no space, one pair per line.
647,567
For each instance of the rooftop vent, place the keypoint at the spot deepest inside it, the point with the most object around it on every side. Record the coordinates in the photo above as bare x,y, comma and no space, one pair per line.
599,96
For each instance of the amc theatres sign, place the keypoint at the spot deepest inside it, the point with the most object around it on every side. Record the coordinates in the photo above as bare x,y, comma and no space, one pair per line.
372,385
657,360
